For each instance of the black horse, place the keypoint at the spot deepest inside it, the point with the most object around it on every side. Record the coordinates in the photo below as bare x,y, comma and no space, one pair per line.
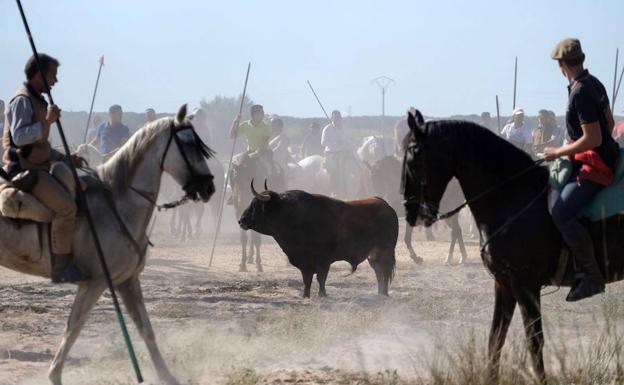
507,193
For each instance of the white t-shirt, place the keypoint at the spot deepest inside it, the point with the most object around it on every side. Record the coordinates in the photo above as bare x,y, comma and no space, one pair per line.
333,139
520,136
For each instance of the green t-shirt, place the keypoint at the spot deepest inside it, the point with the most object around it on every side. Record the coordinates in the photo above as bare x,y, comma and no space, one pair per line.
256,135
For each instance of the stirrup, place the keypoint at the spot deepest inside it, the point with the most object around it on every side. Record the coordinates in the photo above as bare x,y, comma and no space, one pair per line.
70,275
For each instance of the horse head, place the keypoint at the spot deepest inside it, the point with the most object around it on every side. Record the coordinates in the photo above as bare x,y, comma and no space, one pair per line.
427,169
185,157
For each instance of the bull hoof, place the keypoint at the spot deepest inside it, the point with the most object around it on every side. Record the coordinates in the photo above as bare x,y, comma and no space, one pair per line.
259,268
242,268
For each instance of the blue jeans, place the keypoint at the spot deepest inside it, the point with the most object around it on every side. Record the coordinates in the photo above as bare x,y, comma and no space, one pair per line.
564,211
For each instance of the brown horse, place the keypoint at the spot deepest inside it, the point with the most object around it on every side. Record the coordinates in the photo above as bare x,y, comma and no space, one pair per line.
521,246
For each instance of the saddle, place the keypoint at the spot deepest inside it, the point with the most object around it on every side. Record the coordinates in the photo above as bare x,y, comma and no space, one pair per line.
607,203
18,204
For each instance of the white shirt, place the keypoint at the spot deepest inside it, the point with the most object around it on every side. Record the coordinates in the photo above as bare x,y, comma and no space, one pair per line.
333,139
519,136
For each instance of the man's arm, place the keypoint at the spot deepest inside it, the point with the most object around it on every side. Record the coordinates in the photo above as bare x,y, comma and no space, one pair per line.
234,127
23,131
610,121
96,139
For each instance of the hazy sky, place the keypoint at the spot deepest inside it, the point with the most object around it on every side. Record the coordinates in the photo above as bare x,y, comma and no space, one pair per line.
447,57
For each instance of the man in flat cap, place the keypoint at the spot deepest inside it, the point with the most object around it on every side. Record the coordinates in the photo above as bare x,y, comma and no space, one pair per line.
594,154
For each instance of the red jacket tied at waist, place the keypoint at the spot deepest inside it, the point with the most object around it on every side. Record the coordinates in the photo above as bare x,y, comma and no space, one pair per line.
593,168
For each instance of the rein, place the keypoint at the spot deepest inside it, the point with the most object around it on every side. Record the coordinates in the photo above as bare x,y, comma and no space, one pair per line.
492,189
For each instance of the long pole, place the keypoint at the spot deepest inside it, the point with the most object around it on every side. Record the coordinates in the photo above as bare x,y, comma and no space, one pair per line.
515,82
615,79
227,175
97,81
498,114
83,203
319,102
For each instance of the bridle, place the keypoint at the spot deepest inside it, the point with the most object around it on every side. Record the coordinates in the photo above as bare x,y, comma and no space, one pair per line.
195,177
424,208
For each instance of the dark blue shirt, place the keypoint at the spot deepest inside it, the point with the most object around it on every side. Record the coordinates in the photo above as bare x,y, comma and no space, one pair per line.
587,103
110,138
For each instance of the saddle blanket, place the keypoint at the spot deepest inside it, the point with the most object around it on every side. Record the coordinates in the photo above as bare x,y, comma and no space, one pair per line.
608,202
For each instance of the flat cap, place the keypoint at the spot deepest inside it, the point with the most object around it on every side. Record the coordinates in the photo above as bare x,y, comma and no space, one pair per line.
567,49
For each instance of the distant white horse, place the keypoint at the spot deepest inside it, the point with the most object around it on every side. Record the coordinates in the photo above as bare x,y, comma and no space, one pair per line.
311,176
374,148
133,176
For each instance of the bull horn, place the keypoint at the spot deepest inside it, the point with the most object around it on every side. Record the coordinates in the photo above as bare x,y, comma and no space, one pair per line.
265,185
260,197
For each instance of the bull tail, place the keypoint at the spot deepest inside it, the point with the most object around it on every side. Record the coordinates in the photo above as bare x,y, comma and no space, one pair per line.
354,266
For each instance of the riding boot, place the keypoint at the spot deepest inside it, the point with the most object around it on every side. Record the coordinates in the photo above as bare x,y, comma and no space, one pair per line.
64,271
589,280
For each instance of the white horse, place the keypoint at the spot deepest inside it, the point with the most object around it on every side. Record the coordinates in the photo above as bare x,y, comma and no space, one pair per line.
311,176
133,176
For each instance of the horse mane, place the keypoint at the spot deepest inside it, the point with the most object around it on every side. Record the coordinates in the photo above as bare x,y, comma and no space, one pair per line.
500,157
117,172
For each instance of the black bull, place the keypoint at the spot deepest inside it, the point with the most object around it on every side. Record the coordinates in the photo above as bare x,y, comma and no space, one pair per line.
315,231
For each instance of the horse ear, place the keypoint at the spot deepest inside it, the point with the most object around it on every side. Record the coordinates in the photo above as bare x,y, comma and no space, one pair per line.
415,122
181,114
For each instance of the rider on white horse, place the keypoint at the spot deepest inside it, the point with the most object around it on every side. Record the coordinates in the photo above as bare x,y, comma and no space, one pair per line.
35,168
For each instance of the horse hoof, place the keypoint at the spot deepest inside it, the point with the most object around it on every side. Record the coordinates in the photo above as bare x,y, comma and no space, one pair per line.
250,261
417,260
242,268
259,268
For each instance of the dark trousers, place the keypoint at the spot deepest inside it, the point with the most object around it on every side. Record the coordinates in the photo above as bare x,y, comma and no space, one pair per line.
565,207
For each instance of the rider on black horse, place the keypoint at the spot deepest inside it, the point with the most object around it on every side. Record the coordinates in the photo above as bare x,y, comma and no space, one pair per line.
594,154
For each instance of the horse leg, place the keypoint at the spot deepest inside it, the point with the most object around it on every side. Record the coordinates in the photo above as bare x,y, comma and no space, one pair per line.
307,275
529,301
504,306
243,262
174,229
198,222
409,230
252,252
132,296
449,258
460,240
429,233
257,241
321,277
86,297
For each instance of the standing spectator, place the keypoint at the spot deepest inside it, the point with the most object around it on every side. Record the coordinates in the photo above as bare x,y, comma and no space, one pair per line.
486,121
547,133
150,115
111,134
517,132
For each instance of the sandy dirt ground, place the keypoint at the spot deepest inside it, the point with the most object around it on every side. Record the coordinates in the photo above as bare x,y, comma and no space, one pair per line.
213,324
